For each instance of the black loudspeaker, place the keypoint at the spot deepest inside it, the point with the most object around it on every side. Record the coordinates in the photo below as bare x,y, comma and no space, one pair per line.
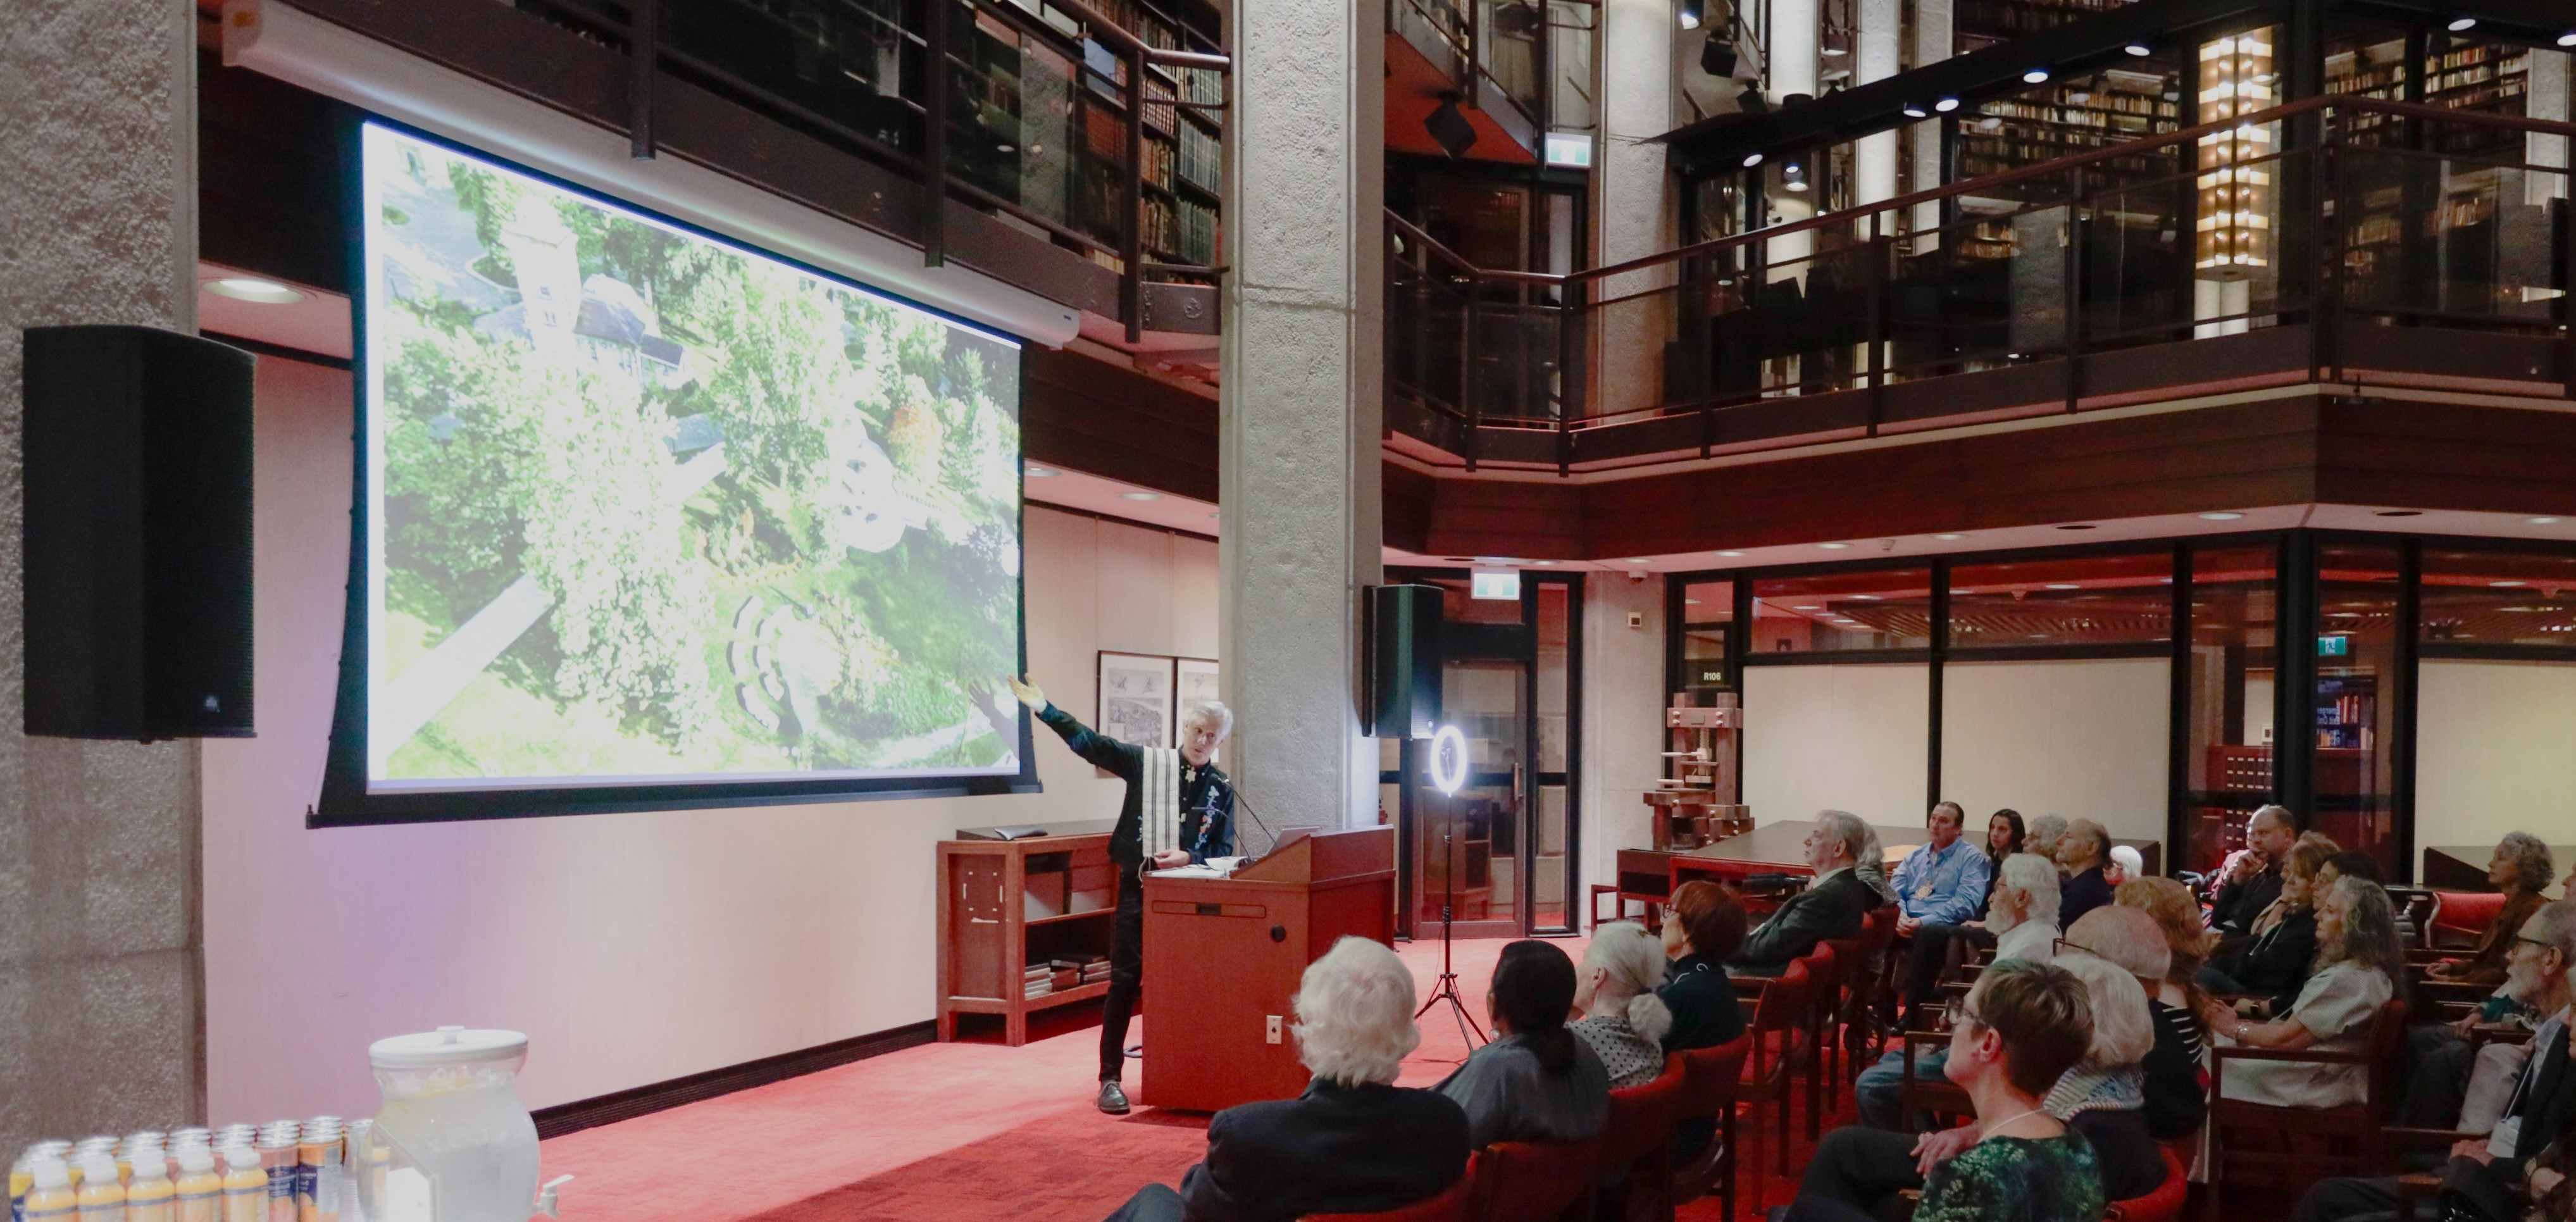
137,466
1404,661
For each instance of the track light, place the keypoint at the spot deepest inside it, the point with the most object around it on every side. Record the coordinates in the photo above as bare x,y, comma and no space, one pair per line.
1449,128
1691,13
1946,105
2462,23
2034,76
2139,49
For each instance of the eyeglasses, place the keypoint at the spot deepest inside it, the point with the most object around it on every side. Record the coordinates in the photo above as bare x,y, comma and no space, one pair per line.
2062,946
1957,1014
2546,946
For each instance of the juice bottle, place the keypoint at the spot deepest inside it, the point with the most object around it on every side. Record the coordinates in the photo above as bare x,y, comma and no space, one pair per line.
200,1191
102,1199
150,1196
22,1177
49,1192
245,1186
277,1154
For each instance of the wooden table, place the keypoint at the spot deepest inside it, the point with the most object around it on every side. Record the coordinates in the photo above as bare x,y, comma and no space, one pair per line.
2463,867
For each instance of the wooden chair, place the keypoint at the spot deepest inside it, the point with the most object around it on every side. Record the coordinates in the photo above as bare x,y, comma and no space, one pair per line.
2165,1204
1710,1080
1532,1181
1455,1204
2356,1127
1636,1139
1824,997
1779,1020
1929,1093
1837,1011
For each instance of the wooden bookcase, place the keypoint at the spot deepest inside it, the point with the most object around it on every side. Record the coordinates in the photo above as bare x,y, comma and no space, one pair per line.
1006,903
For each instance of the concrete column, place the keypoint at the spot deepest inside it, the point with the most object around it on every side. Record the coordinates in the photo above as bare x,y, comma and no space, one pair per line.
1795,30
2547,99
1932,42
1299,458
1874,155
102,1002
1634,211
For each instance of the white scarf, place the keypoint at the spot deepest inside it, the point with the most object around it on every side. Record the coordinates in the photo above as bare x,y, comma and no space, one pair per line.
1159,805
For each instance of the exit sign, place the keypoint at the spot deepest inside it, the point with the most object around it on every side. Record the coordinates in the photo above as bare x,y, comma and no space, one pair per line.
2334,647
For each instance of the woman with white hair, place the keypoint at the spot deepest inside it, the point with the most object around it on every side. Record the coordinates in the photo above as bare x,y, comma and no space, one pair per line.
2023,916
1623,1020
1354,1142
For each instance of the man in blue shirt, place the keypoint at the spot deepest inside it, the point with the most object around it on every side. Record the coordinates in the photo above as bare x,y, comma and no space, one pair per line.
1943,882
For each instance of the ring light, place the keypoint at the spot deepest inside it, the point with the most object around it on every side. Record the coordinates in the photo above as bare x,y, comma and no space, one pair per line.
1449,743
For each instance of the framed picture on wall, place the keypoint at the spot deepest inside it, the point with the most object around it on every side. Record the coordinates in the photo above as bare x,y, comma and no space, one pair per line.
1136,698
1195,683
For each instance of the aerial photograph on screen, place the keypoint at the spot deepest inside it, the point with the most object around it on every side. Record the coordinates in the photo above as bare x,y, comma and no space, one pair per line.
648,507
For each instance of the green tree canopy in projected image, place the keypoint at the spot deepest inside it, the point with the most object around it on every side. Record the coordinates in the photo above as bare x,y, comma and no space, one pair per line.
651,506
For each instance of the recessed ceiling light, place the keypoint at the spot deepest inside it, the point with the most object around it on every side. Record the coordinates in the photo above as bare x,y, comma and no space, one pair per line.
2034,76
1950,536
1034,472
1946,105
2220,516
1690,602
1211,517
1638,561
1752,159
2064,585
1806,607
2567,39
1913,111
2543,521
1542,563
1833,547
1140,496
2139,49
1730,553
1867,598
2463,23
2506,585
253,289
2401,513
2079,526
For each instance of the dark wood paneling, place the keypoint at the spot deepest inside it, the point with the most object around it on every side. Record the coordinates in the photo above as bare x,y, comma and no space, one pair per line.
1406,496
271,197
1090,415
2448,456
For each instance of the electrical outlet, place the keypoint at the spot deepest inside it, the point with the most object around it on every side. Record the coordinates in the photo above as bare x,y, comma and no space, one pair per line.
1636,619
1270,1027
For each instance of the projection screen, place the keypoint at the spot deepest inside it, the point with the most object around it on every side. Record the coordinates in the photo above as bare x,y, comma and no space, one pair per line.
649,519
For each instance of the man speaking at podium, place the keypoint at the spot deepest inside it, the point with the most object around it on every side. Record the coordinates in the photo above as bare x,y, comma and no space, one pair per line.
1179,811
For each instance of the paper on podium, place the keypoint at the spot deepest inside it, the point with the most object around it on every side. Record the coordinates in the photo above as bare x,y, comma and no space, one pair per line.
1214,867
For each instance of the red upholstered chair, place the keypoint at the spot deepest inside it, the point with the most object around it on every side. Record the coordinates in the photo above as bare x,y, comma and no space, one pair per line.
1825,971
1532,1181
1779,1025
2353,1136
1842,1011
1638,1136
1454,1205
2163,1205
1710,1078
2463,916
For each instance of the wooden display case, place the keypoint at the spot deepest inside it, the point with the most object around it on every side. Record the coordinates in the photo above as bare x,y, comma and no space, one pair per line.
1004,904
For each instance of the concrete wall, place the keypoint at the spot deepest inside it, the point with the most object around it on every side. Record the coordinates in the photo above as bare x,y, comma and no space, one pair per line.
1623,725
632,948
99,950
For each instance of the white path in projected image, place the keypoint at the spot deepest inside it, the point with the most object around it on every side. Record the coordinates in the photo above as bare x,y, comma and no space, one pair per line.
415,696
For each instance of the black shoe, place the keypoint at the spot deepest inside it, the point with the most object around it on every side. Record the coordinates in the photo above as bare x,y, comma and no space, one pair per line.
1113,1097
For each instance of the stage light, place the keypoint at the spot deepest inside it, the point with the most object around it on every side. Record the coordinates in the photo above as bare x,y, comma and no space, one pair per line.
1448,744
1946,105
1449,128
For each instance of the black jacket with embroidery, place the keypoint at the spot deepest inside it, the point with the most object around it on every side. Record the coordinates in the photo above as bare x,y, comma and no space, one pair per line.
1207,798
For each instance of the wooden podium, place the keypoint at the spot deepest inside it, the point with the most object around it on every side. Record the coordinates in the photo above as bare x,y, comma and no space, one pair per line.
1223,957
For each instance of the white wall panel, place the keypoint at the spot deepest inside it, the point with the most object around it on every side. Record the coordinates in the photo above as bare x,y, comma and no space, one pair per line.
1842,737
2084,739
2495,752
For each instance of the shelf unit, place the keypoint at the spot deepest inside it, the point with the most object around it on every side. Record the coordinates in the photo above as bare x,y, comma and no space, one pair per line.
2111,107
997,901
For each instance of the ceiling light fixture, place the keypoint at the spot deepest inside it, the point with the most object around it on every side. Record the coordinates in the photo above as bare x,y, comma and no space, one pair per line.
2567,39
1946,105
1691,13
2064,585
2139,49
2542,521
1639,560
1913,111
1140,496
2034,76
1949,536
1833,547
1038,472
1752,159
1730,553
253,289
2220,516
2462,23
2507,585
1542,563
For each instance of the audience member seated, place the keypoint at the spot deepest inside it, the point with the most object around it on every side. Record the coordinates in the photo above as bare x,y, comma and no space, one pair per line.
2359,967
2251,878
2083,854
2118,953
2018,1033
1943,881
1536,1081
1833,906
1931,941
2362,865
1870,864
1354,1142
2024,918
1703,924
2450,1083
2045,832
2274,962
2126,863
1623,1021
2479,1182
2177,1081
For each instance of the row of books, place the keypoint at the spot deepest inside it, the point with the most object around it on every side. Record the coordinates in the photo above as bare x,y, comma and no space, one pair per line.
1058,975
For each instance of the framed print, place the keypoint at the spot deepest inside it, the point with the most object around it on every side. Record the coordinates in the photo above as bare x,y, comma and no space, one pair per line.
1136,698
1195,684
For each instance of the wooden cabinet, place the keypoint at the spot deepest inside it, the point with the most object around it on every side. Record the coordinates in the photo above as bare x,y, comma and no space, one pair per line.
1005,905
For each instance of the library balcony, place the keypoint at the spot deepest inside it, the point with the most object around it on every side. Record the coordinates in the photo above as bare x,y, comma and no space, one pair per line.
2340,241
1076,152
1464,78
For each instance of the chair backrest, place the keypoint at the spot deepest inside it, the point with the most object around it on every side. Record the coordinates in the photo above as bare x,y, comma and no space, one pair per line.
1709,1077
2387,1031
1456,1203
1641,1118
1531,1181
2163,1205
1849,961
1784,1000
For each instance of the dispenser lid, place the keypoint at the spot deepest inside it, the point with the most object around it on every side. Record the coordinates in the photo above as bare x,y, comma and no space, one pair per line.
445,1046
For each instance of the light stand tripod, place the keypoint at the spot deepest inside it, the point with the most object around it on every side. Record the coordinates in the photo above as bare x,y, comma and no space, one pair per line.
1447,988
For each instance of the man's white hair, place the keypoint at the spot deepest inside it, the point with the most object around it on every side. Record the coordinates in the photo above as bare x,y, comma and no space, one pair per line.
2036,877
1355,1014
1848,828
1211,710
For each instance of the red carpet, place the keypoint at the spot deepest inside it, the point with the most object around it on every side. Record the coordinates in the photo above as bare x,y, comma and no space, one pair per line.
961,1132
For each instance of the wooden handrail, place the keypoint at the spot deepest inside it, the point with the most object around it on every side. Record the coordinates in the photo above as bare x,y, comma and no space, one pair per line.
1987,182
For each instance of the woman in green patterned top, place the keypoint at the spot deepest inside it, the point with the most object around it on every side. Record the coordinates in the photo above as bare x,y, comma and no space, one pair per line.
2019,1029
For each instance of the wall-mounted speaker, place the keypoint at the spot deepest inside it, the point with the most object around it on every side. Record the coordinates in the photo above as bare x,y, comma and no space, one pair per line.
137,475
1403,625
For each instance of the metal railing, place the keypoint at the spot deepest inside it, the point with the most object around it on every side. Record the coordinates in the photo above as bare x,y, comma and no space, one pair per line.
1103,138
1499,43
2355,225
